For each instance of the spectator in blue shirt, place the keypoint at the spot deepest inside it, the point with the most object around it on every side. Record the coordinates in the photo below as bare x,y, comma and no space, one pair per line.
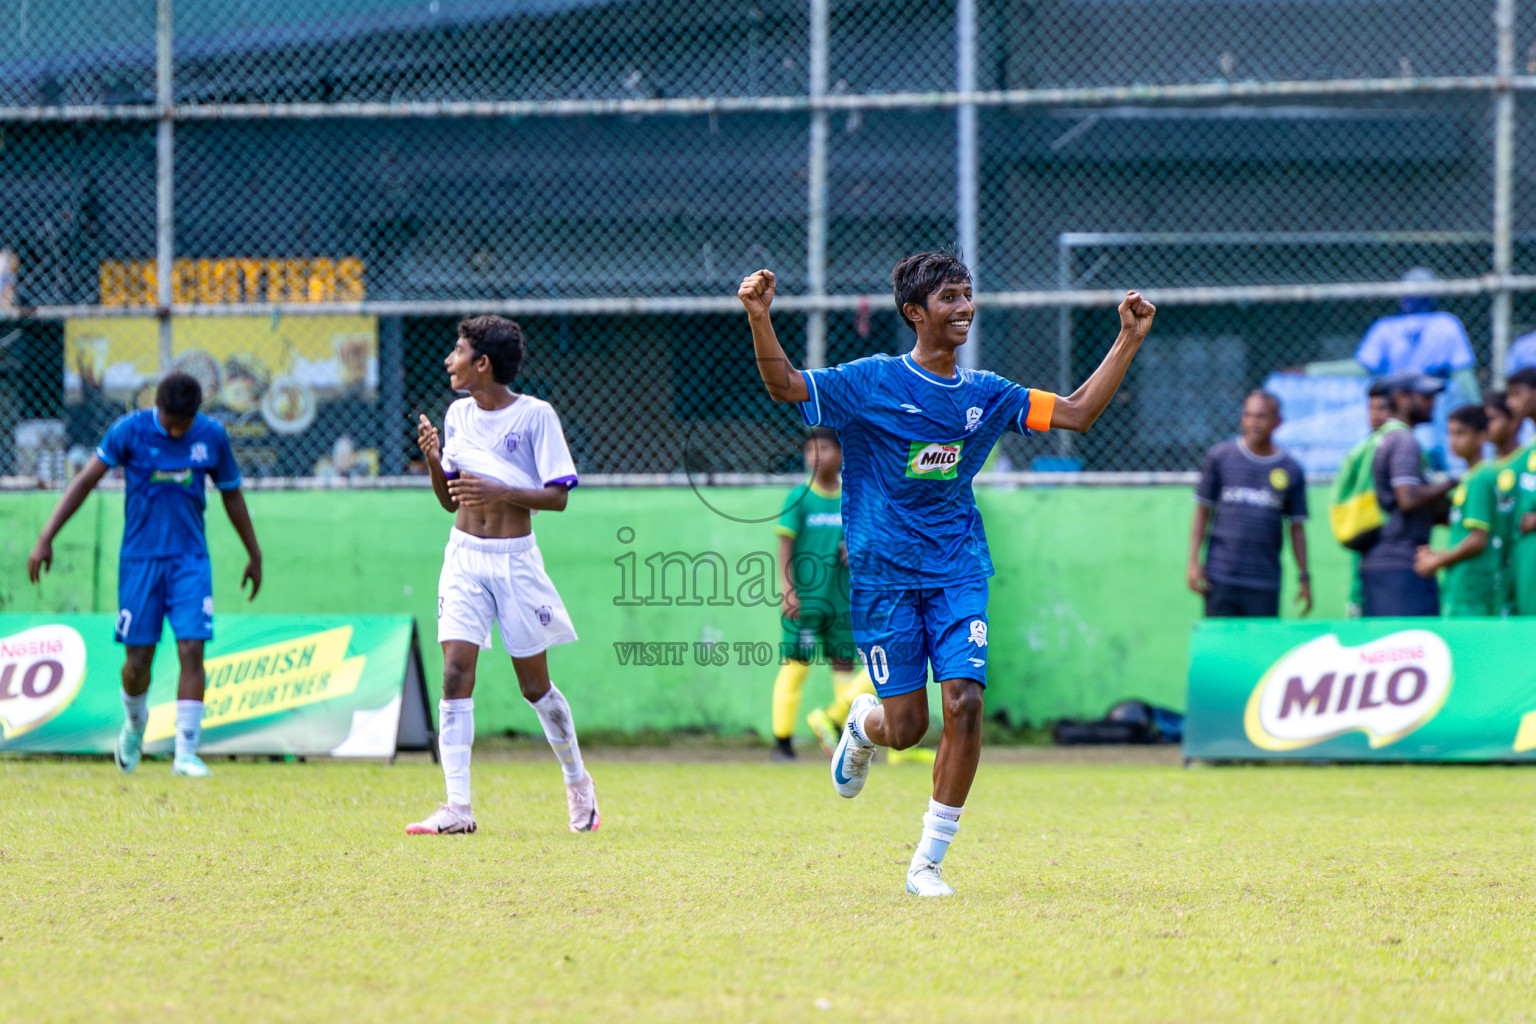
166,453
1422,339
1522,353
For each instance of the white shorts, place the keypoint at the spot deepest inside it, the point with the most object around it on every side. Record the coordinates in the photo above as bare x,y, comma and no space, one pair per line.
500,580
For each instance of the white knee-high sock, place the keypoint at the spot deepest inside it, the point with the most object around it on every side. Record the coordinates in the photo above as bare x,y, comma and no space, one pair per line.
455,737
940,825
555,716
136,712
189,726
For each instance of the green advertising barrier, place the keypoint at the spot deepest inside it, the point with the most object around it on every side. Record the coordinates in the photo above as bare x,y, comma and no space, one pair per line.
1088,608
1363,690
346,686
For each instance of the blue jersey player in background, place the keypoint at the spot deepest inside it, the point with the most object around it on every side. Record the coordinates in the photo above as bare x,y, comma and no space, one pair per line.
915,430
166,453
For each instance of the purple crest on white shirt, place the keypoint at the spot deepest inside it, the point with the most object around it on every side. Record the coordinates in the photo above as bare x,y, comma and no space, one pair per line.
510,441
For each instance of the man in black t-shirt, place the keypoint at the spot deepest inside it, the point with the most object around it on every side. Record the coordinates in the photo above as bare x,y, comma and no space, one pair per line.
1409,503
1249,489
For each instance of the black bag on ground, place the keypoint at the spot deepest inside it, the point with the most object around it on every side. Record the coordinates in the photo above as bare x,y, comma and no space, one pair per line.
1130,721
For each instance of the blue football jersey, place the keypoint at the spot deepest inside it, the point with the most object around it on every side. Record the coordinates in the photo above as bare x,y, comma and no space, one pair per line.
163,511
912,442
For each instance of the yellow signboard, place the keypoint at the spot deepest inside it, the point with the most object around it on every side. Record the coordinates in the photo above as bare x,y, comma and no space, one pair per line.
234,280
280,368
264,378
265,680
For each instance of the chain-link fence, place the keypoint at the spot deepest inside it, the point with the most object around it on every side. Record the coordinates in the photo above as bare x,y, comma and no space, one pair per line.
296,201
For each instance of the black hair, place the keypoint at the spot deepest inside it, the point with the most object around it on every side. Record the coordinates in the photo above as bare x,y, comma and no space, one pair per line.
823,434
919,276
1496,399
1379,389
498,339
1268,396
179,395
1525,377
1474,416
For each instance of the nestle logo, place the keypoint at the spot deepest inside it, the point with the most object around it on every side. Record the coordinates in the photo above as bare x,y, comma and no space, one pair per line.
1387,657
29,648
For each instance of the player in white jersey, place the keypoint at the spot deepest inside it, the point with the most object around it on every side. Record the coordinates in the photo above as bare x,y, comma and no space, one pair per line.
502,458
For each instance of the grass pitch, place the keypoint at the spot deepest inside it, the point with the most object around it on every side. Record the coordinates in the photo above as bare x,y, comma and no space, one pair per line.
278,892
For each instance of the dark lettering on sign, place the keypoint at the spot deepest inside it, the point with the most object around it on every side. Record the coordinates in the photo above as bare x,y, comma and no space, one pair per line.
1366,686
1345,689
29,687
1420,684
1296,693
6,678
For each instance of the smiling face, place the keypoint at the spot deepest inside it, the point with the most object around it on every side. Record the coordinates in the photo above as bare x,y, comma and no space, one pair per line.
465,369
946,315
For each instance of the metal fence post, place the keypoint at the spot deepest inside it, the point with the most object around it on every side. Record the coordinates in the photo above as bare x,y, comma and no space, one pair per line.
1503,186
165,184
816,199
966,170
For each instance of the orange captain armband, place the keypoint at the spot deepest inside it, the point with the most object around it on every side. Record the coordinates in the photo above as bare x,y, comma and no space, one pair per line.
1041,405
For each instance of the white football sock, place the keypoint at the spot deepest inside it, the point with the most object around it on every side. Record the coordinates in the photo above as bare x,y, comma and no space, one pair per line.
455,737
940,825
136,711
555,716
856,726
189,726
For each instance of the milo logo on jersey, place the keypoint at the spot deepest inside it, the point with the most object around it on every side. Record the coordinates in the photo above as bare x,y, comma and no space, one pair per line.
938,460
172,476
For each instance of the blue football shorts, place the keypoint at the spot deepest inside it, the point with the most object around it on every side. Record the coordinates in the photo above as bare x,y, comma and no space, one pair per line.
900,633
150,591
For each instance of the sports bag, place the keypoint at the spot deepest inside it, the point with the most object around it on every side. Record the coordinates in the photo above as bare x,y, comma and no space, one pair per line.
1353,510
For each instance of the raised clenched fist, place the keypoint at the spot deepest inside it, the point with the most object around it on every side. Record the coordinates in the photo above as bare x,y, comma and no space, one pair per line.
1136,314
756,292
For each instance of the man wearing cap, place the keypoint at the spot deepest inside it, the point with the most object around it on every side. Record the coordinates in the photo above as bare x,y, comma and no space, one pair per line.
1409,502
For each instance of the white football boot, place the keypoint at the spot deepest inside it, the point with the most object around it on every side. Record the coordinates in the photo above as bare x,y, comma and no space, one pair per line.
581,801
446,820
129,749
850,761
924,879
191,766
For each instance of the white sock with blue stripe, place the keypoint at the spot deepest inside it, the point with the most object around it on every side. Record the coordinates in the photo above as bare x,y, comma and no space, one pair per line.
940,825
136,711
189,727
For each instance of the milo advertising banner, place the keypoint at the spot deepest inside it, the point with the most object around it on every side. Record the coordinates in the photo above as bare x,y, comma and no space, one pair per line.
277,684
1363,690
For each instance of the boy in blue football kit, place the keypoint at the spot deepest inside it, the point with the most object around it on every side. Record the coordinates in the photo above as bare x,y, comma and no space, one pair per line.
915,430
165,453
